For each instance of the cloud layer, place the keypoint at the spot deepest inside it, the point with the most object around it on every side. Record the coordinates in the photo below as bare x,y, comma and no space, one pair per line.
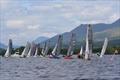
25,20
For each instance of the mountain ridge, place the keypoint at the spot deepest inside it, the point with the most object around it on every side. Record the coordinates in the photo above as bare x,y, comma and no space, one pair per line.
80,32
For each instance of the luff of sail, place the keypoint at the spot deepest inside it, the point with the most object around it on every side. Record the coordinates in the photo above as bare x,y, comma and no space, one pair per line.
87,45
26,50
9,49
104,47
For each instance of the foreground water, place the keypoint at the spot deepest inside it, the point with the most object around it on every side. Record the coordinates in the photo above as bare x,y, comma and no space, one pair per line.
60,69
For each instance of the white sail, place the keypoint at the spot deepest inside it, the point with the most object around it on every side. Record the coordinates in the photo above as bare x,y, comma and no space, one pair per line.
26,50
87,45
54,50
32,50
43,49
36,52
57,48
104,47
81,51
9,49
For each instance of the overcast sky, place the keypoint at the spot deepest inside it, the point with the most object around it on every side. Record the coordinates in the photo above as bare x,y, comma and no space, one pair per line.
25,20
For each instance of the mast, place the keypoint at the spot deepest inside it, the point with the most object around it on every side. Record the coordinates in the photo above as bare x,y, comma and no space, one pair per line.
55,49
71,45
9,49
87,52
104,47
89,42
90,39
26,50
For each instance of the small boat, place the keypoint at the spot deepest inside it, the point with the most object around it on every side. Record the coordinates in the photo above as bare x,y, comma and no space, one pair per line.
116,52
104,47
71,47
26,50
57,49
80,54
32,50
45,49
88,49
36,51
9,49
54,57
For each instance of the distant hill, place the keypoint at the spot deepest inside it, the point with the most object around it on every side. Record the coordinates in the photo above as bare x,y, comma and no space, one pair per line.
40,39
2,45
100,31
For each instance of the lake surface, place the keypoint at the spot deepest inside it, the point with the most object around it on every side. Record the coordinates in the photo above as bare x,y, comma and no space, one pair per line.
60,69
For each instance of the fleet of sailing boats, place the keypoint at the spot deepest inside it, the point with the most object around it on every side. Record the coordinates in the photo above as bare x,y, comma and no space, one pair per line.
31,49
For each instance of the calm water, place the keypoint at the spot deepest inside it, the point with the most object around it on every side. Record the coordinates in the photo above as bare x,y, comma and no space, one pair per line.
60,69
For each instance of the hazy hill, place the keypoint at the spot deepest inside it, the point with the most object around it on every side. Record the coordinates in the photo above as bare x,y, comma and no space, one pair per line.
100,31
2,45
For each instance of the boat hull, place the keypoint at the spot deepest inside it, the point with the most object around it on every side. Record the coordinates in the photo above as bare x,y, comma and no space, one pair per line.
68,57
54,57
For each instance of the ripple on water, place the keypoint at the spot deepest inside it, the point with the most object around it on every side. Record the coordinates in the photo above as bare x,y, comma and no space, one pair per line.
40,67
43,76
32,68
